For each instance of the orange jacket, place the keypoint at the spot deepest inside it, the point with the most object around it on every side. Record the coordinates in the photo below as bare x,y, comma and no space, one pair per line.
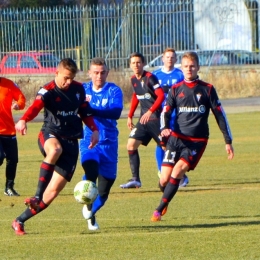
9,92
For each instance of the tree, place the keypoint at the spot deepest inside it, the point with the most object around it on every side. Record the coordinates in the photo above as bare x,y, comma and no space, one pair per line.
4,4
35,3
87,2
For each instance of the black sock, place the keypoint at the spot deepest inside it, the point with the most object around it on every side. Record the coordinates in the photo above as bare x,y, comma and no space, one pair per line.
46,172
91,170
134,161
169,192
28,213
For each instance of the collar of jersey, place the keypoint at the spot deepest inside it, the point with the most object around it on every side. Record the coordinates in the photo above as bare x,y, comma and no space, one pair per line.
99,90
192,83
167,72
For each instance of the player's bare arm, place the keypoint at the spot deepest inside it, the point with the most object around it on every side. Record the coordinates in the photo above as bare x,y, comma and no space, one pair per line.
130,123
21,127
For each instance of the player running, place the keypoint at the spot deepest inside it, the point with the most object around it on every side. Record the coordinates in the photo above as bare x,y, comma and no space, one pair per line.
168,76
100,163
63,100
193,99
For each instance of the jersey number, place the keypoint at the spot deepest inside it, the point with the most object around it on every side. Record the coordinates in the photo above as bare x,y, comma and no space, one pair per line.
169,157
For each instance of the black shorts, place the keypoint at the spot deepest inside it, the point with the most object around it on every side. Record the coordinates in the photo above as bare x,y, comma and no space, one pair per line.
186,150
145,132
66,164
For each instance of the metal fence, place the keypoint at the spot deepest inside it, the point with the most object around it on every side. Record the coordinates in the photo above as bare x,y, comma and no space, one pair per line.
113,31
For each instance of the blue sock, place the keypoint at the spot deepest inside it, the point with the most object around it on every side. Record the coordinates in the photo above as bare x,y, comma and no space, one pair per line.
98,203
159,154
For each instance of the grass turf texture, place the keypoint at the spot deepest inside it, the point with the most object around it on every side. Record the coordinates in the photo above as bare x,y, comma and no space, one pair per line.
215,217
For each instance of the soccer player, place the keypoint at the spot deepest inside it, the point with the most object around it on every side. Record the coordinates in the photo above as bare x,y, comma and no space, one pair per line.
148,92
168,76
63,100
9,92
100,163
193,99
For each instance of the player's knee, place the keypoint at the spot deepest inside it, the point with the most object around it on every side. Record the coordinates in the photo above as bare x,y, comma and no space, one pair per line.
54,152
132,144
163,182
129,147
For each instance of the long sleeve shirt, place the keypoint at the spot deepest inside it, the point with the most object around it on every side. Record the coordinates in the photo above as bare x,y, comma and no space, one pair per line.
9,92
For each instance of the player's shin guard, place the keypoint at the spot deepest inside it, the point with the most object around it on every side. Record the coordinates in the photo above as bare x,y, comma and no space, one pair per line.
169,192
46,172
134,161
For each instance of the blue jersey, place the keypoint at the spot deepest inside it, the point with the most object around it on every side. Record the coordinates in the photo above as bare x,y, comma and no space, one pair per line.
167,79
107,105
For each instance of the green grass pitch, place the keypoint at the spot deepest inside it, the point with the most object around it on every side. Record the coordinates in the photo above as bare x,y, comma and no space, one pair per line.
217,216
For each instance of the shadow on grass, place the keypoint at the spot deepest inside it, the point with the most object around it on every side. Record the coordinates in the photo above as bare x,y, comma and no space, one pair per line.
193,188
256,181
147,191
157,226
238,216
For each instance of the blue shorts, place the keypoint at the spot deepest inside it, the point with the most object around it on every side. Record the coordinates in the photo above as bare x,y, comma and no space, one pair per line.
106,155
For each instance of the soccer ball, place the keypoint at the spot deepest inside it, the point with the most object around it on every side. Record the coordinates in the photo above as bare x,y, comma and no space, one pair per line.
85,192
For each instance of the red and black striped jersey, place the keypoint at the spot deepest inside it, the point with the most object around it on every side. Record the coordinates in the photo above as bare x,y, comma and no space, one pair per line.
64,110
193,102
148,92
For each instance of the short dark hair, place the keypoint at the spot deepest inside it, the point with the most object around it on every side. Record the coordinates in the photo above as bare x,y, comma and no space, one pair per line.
137,54
69,64
192,55
98,61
